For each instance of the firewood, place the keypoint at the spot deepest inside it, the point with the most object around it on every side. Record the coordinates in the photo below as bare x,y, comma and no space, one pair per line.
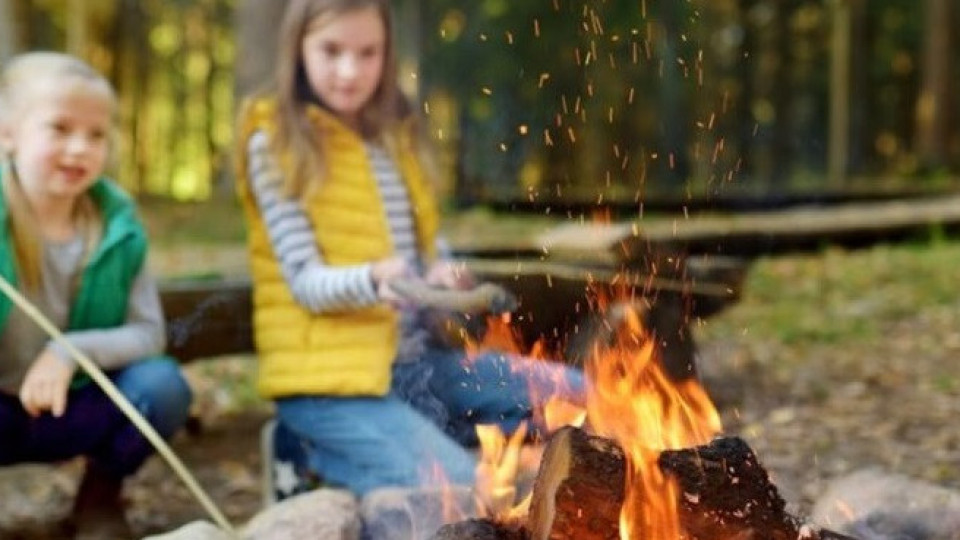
579,488
477,529
724,492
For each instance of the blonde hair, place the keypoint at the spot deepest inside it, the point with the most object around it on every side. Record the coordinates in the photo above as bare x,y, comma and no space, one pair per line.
17,86
296,138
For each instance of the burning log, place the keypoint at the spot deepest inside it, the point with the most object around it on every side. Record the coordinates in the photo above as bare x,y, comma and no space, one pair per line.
725,494
478,529
579,489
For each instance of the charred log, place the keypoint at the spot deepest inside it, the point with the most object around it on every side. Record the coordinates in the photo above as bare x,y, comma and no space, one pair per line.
478,529
724,492
579,489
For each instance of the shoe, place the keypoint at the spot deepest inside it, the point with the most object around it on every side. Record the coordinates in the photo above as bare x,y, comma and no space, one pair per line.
98,512
286,468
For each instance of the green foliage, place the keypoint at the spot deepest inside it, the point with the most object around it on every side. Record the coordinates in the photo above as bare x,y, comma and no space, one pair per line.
214,222
839,297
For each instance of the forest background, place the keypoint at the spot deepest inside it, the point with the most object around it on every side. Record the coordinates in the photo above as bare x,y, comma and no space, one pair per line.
753,102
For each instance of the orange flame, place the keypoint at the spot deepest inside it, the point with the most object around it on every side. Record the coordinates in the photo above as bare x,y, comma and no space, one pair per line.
633,402
497,470
502,459
500,335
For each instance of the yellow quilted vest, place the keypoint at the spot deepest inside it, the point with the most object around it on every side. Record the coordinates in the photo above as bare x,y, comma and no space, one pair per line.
346,353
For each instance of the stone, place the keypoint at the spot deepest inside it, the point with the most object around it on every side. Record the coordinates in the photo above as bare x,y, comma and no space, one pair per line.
875,505
413,513
37,499
196,530
322,514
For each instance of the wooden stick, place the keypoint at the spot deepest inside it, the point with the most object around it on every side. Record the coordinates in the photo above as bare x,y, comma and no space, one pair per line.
484,298
121,401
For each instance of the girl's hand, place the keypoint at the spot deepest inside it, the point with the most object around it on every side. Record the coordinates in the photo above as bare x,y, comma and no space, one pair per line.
381,272
449,275
46,385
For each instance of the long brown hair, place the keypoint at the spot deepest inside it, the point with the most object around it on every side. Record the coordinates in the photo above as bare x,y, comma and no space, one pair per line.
18,82
297,139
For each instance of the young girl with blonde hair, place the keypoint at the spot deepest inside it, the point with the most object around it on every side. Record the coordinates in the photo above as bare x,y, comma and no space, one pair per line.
71,242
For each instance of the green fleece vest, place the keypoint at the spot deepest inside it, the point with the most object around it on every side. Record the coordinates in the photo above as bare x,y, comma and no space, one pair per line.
101,300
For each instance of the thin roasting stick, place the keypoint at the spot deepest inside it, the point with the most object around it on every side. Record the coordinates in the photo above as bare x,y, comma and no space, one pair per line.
484,298
128,409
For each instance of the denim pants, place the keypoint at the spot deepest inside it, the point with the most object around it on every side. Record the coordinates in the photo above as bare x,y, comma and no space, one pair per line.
418,434
93,426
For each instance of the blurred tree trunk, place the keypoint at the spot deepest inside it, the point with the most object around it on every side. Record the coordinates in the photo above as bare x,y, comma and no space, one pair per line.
766,116
407,38
258,25
10,38
860,86
838,152
77,27
741,116
674,165
131,72
784,91
934,102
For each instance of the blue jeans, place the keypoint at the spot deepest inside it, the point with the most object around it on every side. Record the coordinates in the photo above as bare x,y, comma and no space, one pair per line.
93,426
417,434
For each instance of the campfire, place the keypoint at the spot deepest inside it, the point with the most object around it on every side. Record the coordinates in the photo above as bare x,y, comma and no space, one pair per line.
644,461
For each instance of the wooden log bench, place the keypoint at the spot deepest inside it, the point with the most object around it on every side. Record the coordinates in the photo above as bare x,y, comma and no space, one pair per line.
207,317
212,317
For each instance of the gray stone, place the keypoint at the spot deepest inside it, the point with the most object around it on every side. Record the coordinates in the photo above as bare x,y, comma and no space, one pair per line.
874,505
413,513
322,514
197,530
36,499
